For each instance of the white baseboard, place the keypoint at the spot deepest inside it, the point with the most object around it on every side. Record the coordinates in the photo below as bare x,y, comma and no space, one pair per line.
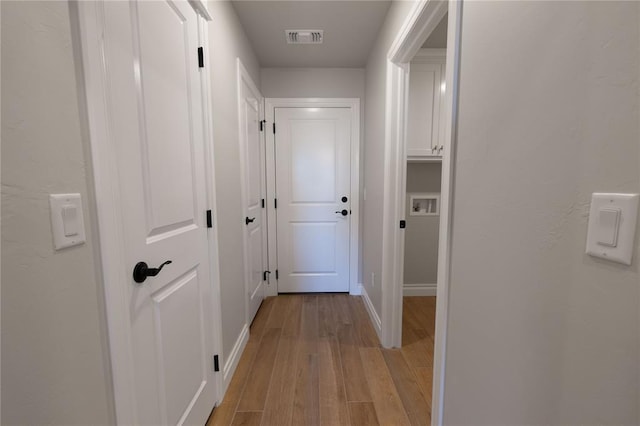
356,291
419,290
375,318
234,357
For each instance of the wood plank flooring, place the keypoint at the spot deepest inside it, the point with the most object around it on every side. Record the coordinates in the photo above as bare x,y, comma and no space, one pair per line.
315,359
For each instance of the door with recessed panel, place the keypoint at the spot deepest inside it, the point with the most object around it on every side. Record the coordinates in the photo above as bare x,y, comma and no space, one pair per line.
252,151
313,167
155,124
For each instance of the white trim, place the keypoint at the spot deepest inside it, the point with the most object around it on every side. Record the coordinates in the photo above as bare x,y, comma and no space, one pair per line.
89,17
430,56
394,205
357,291
108,206
200,6
214,248
354,237
231,364
419,289
373,315
421,21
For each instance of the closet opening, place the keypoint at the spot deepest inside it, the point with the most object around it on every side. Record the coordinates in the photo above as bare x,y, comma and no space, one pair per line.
425,143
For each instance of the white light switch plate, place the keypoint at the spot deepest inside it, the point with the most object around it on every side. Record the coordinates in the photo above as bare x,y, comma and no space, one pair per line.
612,226
67,221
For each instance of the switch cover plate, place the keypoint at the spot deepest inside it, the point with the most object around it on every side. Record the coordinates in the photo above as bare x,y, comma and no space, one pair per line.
67,220
612,226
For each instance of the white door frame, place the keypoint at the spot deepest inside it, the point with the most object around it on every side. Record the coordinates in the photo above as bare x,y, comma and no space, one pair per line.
354,229
109,208
421,21
243,76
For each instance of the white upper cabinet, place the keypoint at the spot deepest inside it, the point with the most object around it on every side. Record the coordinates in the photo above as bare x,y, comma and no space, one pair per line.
425,127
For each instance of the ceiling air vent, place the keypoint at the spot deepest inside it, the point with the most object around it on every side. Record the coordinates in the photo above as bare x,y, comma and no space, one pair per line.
304,36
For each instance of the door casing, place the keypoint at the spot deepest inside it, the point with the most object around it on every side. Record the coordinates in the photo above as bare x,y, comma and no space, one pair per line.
354,234
109,207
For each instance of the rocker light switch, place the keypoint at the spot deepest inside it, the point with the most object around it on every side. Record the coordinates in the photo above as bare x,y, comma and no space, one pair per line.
612,226
67,221
70,220
608,226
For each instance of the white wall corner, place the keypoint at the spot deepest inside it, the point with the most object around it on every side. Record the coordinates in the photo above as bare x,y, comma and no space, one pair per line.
375,318
356,290
231,364
419,290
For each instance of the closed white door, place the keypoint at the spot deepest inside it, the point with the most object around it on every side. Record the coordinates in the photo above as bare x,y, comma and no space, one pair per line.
254,189
155,122
313,188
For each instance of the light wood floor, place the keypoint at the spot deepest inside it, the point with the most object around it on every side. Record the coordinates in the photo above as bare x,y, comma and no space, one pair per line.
316,359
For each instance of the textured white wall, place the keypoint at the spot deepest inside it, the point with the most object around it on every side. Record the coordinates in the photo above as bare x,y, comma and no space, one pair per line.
375,87
539,332
321,83
54,367
228,42
421,236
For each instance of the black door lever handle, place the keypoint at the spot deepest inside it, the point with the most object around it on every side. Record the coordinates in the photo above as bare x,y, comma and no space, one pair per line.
141,271
343,212
248,220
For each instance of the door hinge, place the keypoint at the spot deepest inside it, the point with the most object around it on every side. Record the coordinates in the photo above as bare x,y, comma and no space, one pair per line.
200,57
262,124
216,363
264,275
277,274
403,224
209,219
274,128
275,203
263,203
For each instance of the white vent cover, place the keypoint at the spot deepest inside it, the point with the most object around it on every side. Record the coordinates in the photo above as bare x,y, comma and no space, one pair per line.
304,36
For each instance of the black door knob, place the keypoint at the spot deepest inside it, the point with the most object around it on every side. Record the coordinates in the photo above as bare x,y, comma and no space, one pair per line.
141,271
248,220
343,212
345,199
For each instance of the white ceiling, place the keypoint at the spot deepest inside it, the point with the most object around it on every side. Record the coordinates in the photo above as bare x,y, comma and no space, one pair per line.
350,29
438,38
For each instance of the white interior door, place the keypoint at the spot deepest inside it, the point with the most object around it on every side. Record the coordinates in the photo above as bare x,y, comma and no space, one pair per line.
254,192
154,99
313,168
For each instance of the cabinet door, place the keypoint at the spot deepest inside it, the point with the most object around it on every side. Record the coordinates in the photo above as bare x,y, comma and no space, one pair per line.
424,109
442,120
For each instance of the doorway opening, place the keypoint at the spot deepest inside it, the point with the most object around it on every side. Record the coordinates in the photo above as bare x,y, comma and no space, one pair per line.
426,122
422,86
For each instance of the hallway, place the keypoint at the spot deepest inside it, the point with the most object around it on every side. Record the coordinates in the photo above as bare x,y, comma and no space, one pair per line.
315,359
